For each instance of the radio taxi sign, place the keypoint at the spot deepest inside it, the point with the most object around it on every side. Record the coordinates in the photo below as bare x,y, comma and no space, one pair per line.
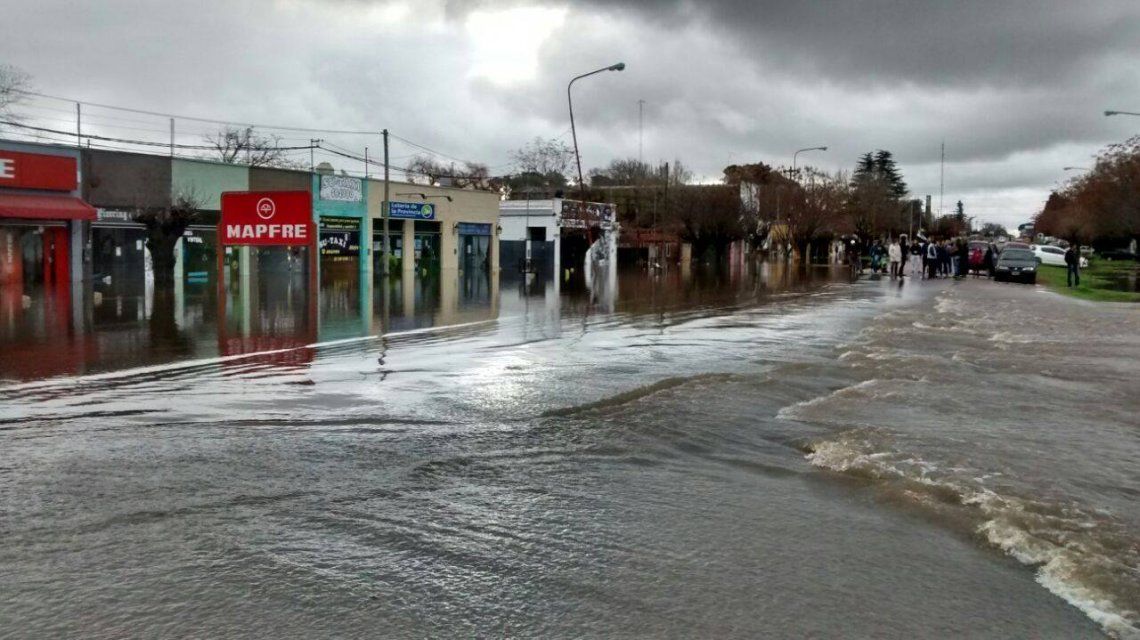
266,218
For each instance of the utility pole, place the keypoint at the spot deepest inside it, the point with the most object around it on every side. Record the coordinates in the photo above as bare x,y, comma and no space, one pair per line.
640,131
942,178
365,165
172,137
384,212
312,145
78,127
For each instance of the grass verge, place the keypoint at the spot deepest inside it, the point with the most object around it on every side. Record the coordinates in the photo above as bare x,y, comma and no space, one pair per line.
1097,281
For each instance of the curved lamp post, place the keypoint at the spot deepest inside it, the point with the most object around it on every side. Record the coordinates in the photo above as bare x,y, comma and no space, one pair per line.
1077,169
798,152
577,156
1121,113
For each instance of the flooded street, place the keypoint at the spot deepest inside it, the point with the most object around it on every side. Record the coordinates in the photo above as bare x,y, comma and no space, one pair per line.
764,452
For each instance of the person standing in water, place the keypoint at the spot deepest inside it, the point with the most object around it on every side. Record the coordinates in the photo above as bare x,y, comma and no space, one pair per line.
904,249
933,259
894,255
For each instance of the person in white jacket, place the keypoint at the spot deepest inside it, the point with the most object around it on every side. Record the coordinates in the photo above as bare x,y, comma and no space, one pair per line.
894,254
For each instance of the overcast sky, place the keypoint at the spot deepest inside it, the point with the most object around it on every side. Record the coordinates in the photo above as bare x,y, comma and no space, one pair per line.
1016,89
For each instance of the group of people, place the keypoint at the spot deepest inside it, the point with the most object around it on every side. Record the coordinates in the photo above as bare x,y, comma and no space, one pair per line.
926,258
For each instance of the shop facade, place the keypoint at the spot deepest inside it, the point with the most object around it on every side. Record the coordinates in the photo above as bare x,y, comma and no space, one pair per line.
436,229
340,209
121,185
42,217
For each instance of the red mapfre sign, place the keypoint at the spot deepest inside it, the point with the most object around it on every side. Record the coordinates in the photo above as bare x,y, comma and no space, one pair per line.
20,170
266,218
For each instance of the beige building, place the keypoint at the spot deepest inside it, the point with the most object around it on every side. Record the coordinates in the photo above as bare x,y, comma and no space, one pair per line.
457,231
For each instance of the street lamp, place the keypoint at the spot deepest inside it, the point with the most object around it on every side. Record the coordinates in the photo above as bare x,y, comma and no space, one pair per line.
1121,113
798,152
1077,169
577,156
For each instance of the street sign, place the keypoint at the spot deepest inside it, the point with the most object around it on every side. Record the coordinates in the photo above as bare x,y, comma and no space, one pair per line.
411,211
266,218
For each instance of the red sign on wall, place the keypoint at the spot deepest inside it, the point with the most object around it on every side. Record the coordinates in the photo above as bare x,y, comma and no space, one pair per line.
266,218
36,171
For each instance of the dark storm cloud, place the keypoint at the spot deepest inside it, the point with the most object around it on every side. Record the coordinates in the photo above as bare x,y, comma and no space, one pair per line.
935,43
1014,88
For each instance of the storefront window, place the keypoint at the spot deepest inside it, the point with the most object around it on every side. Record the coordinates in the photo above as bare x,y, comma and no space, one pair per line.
474,246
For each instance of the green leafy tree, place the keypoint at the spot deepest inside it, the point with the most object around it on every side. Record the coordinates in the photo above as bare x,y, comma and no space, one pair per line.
885,168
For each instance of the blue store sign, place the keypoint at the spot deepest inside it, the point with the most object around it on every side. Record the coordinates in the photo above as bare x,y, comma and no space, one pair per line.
474,229
411,211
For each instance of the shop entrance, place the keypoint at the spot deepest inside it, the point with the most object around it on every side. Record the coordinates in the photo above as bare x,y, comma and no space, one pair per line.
118,258
427,246
340,245
395,250
33,256
474,247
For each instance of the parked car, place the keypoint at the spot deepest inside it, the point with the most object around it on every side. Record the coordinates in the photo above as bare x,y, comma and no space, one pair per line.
1014,244
976,252
1016,264
1119,254
1049,254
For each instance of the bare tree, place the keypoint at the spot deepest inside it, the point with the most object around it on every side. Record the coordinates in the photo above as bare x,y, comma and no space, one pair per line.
13,83
245,146
544,157
710,217
815,209
164,226
473,175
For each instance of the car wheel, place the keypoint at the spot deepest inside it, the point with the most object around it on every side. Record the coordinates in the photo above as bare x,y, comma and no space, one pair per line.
1032,280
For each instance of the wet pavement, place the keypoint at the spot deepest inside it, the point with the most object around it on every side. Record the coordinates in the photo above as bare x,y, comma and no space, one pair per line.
757,451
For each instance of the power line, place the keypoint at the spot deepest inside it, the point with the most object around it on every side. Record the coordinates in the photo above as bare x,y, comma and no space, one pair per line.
227,123
196,119
429,150
127,141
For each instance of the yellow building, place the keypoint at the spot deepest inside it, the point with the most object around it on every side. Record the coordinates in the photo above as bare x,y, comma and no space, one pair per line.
453,230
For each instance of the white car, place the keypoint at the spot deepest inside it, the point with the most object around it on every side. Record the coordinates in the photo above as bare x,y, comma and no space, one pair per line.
1048,254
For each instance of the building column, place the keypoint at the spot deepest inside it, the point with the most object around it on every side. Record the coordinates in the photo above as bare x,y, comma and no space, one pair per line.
448,246
245,290
366,248
408,263
179,282
557,256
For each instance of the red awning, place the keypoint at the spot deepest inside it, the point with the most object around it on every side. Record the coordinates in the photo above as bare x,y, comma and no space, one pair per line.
44,207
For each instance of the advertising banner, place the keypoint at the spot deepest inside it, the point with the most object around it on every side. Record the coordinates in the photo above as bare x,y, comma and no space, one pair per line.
576,215
266,218
342,189
411,211
340,239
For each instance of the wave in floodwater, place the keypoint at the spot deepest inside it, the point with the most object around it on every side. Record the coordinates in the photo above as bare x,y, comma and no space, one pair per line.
1087,557
1006,417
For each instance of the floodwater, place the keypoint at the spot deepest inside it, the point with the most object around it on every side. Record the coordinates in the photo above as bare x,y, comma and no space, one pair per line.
760,452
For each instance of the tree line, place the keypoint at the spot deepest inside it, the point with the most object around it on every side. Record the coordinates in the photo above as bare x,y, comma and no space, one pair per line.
1102,206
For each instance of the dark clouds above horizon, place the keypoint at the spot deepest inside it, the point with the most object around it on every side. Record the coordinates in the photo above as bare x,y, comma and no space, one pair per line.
1016,89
